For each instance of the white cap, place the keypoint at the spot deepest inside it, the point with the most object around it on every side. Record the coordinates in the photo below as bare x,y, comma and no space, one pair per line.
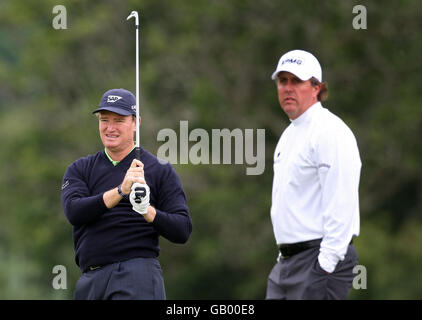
302,64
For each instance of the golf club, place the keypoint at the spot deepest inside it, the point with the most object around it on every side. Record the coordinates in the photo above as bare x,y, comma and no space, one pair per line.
140,191
134,14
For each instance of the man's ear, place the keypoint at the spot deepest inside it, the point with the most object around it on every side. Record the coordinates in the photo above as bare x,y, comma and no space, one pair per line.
134,119
318,88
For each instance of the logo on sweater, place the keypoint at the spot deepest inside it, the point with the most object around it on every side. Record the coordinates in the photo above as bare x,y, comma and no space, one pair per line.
113,99
64,185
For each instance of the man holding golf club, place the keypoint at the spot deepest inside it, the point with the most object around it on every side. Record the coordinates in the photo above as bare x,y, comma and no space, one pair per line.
315,202
115,236
119,201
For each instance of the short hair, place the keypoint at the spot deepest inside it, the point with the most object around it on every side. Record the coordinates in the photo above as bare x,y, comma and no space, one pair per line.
323,92
97,114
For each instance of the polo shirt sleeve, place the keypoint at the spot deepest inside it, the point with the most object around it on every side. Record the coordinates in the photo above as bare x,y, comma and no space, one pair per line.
339,165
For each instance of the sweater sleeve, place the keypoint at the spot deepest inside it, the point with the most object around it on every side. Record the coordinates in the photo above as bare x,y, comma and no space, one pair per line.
79,205
172,220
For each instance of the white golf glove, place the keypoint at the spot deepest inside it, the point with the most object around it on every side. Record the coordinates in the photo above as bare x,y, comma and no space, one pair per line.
139,197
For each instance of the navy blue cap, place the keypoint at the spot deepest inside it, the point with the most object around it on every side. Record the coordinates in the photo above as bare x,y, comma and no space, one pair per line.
120,101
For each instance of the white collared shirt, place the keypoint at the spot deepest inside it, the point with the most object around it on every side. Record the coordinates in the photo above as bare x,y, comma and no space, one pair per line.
315,187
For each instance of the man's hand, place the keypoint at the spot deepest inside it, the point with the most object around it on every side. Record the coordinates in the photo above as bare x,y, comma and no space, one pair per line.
135,174
139,197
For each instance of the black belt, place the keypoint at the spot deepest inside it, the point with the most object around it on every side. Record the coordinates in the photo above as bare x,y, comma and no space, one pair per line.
290,249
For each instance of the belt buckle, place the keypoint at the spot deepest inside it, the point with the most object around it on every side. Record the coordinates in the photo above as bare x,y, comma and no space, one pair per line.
285,257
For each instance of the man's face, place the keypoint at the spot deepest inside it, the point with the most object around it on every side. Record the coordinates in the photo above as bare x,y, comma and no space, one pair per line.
116,131
295,96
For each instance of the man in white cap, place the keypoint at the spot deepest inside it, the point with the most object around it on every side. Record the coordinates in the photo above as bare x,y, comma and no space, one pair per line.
315,201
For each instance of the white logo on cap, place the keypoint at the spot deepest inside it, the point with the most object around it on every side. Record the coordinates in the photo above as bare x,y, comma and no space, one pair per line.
113,98
133,107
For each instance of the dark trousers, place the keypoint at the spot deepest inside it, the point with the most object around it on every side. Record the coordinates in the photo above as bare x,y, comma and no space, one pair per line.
300,277
134,279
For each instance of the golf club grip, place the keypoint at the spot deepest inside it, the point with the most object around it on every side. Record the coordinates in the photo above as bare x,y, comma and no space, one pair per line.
137,153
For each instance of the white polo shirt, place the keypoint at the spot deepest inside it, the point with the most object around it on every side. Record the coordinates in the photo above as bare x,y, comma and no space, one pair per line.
315,187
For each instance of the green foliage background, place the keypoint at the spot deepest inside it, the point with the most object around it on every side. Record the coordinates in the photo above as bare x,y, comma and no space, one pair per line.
208,62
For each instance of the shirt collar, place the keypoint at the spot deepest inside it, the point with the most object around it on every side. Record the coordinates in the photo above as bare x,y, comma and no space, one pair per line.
115,163
307,115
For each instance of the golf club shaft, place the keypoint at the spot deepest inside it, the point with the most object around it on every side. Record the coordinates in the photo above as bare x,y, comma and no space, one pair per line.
137,145
137,151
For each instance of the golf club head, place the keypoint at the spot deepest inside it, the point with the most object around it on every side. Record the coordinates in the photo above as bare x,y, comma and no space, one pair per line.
134,14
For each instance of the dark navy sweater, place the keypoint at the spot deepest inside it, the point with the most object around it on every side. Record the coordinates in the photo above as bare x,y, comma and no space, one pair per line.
102,236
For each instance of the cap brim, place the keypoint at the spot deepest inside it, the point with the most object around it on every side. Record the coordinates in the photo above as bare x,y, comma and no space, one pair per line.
274,75
115,110
292,71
